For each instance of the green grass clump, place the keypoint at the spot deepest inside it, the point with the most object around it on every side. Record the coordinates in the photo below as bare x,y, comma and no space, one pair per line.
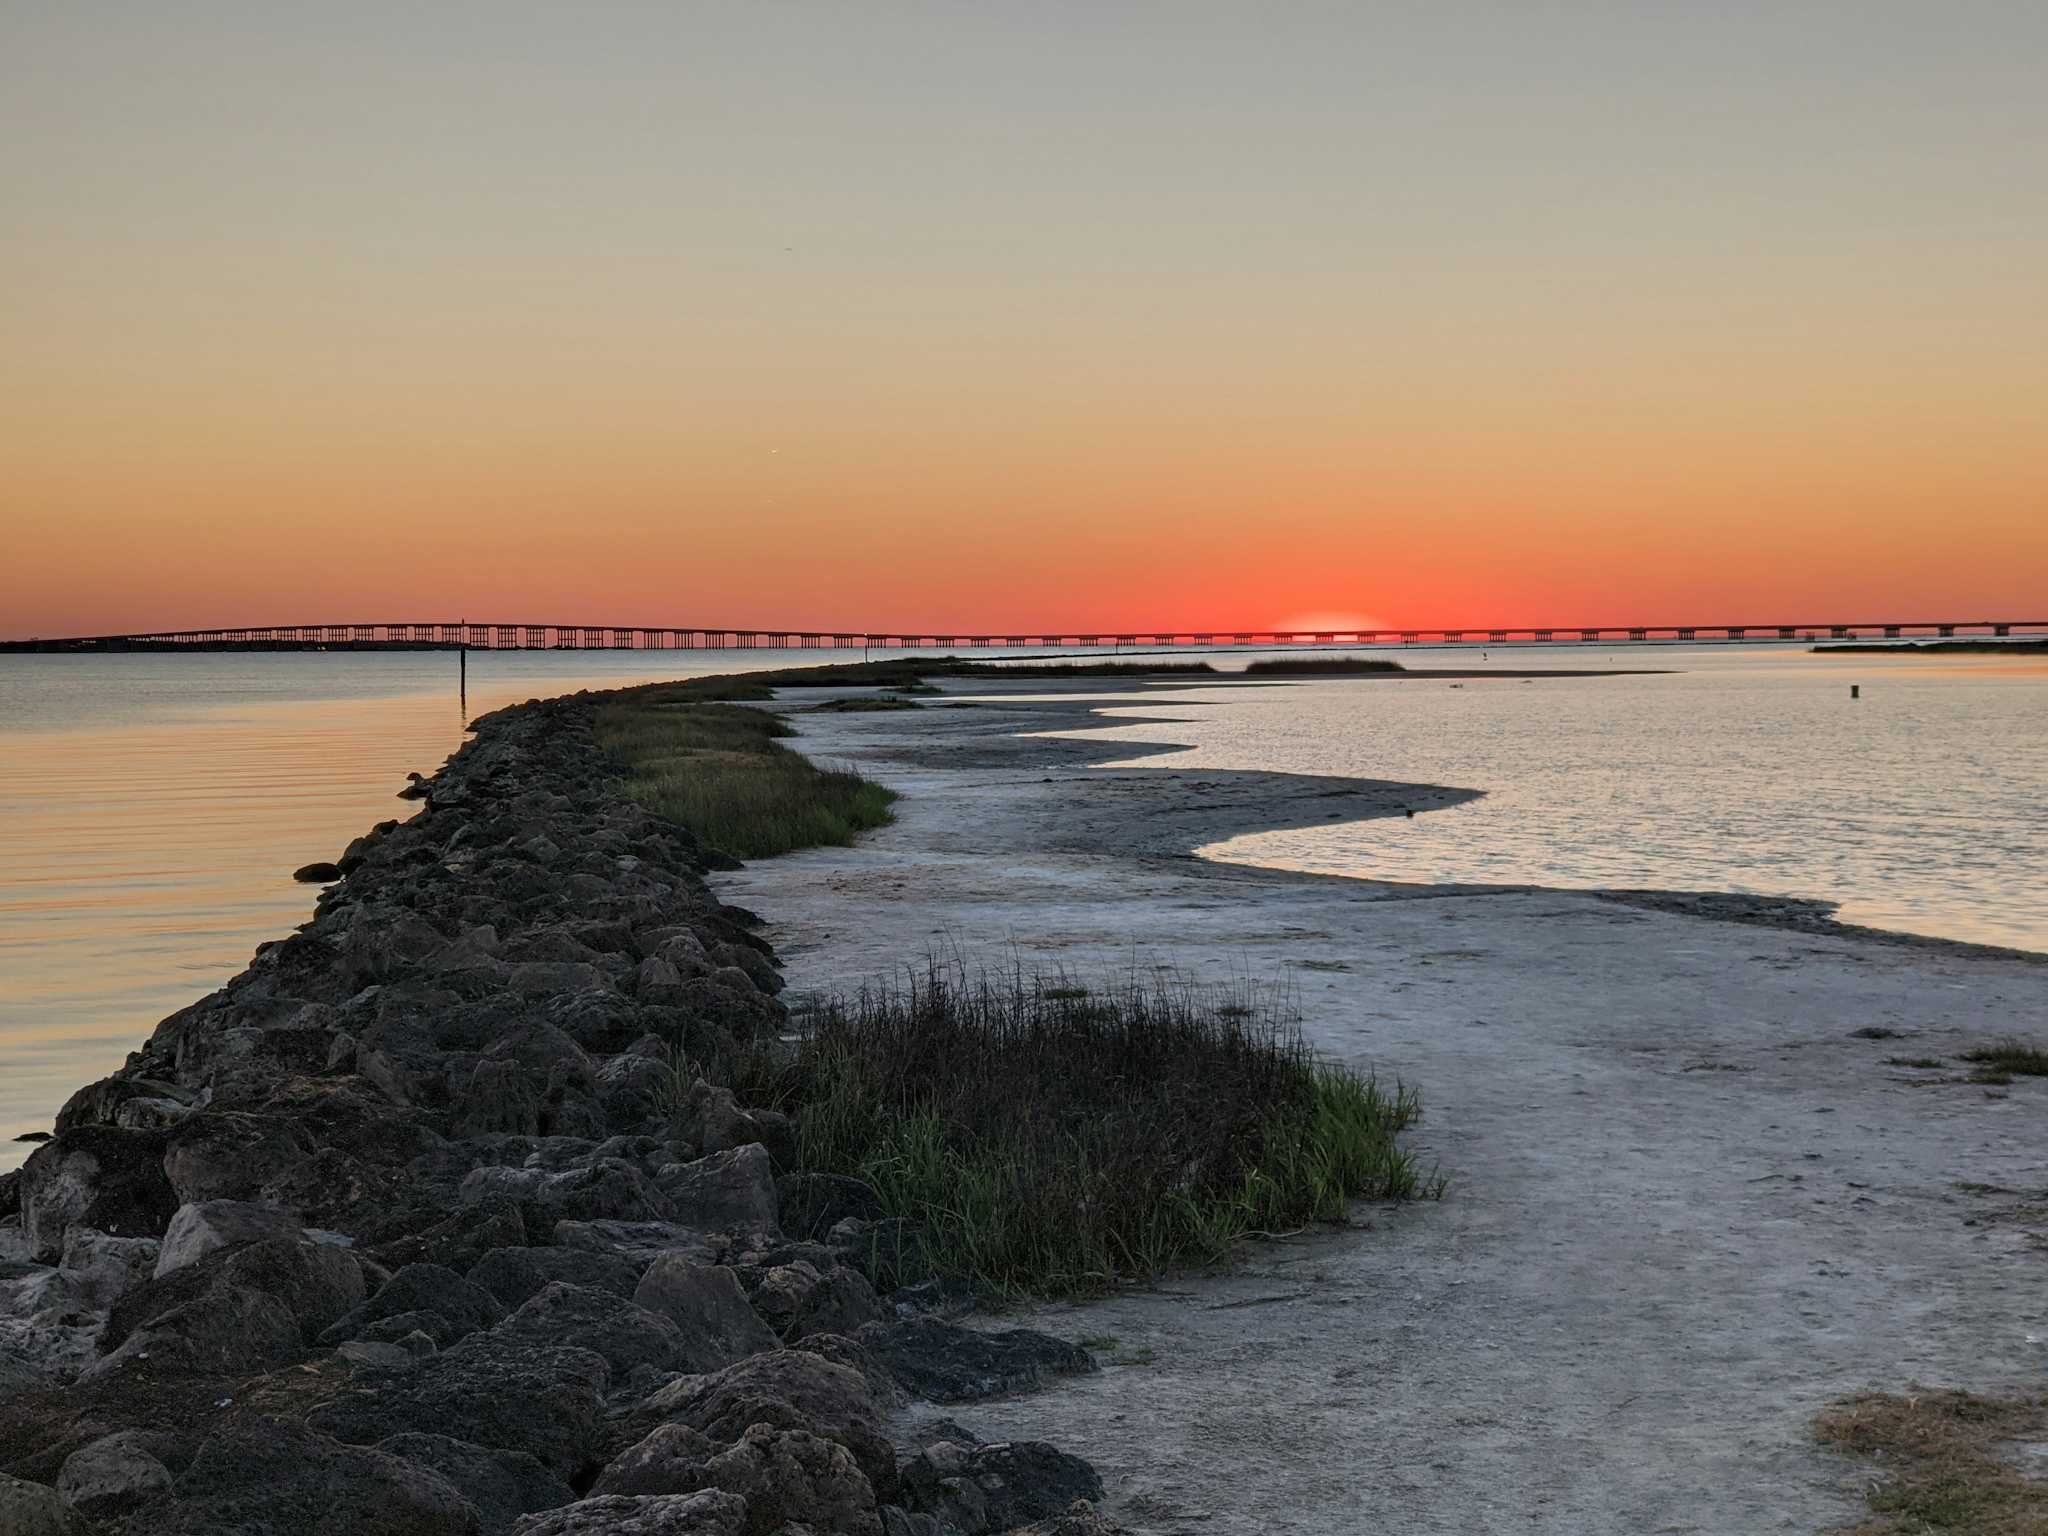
720,770
1058,1140
2010,1056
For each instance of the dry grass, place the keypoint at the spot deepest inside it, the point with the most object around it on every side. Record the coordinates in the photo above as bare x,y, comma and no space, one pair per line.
1936,1464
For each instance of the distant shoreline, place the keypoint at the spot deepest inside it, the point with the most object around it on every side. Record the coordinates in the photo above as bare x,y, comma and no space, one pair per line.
1935,647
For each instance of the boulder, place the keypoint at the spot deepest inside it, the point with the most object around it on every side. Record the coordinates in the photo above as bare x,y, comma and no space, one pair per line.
458,1240
420,1288
30,1509
264,1475
610,1189
225,1330
103,1269
785,1475
200,1226
625,1335
796,1299
516,1275
97,1176
678,1514
728,1190
511,1396
639,1243
705,1304
503,1485
784,1389
318,873
985,1488
950,1364
113,1477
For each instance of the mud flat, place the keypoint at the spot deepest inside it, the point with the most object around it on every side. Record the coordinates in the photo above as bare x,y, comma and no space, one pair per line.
1691,1200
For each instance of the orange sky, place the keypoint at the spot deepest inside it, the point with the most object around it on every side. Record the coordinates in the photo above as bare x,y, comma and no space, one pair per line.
1032,317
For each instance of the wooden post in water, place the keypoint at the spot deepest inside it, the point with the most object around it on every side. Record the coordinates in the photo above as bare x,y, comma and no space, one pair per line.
1855,690
462,675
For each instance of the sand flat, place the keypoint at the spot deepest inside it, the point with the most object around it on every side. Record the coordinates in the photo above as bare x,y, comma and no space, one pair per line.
1688,1205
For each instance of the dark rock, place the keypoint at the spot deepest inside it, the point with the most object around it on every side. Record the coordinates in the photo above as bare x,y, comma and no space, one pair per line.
314,1282
503,1485
265,1477
950,1364
995,1487
113,1477
459,1240
421,1288
784,1389
677,1514
96,1176
225,1330
637,1242
796,1299
509,1396
199,1227
705,1304
317,874
811,1204
786,1476
626,1335
725,1191
30,1509
516,1275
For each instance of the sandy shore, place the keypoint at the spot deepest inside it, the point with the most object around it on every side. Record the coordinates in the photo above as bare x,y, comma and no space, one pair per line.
1689,1205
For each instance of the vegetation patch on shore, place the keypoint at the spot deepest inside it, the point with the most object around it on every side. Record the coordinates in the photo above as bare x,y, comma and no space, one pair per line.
1936,1456
720,769
2010,1056
1322,666
1041,1138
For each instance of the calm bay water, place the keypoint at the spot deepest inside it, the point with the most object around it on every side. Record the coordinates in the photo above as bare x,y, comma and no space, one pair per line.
152,807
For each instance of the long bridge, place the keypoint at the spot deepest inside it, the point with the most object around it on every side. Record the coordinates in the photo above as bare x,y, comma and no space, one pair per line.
465,634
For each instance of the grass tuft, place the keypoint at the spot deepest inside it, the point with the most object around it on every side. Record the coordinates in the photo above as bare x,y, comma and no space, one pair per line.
1938,1462
1912,1061
2010,1056
720,770
1059,1140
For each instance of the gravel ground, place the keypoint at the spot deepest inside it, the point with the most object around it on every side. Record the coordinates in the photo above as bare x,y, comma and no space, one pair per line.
1688,1204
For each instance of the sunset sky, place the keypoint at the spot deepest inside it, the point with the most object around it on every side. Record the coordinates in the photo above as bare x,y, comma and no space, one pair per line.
1006,315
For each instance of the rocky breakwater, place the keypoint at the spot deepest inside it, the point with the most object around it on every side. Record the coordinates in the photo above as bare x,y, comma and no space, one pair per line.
438,1219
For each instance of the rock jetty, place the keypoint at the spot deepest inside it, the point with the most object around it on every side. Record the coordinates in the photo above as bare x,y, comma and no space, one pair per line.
438,1219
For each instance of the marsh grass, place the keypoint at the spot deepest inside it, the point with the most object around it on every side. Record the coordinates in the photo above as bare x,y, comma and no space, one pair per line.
1937,1456
1332,666
2010,1056
1049,1139
720,770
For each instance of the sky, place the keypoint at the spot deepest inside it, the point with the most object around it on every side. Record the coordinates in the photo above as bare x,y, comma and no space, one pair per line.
995,316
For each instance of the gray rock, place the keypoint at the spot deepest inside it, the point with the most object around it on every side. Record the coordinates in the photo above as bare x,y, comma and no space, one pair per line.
626,1335
503,1485
998,1487
705,1304
785,1475
796,1299
111,1478
784,1389
609,1190
728,1190
30,1509
200,1226
103,1269
419,1288
679,1514
516,1275
226,1330
950,1364
96,1176
546,1401
637,1242
264,1477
